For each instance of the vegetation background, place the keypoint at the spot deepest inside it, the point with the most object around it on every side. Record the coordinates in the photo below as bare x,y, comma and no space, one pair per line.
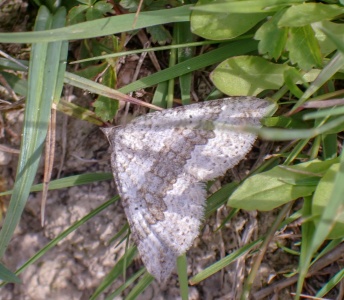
68,67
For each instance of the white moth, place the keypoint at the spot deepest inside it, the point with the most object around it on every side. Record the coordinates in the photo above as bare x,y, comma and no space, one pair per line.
160,162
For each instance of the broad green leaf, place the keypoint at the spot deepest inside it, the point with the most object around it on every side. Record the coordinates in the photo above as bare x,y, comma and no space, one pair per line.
268,190
18,84
159,34
322,198
303,48
335,39
76,14
307,13
325,43
87,2
243,6
285,122
272,38
132,5
329,144
106,108
103,7
328,216
223,25
248,76
93,14
92,71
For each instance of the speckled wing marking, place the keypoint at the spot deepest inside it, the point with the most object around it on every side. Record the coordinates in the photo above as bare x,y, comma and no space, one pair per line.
159,162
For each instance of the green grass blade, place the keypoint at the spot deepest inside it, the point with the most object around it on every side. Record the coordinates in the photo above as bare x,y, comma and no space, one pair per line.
146,280
139,51
274,134
126,284
307,233
193,64
42,75
116,271
182,266
330,284
219,265
7,276
333,66
69,182
327,220
101,27
184,35
219,198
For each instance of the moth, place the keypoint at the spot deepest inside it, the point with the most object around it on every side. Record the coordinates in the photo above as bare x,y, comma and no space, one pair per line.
161,161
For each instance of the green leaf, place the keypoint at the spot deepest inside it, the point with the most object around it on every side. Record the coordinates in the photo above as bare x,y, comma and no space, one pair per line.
130,5
321,199
303,48
91,71
76,14
159,34
325,42
103,7
93,14
272,38
268,190
106,108
333,209
285,122
220,26
86,2
243,6
307,13
247,75
338,41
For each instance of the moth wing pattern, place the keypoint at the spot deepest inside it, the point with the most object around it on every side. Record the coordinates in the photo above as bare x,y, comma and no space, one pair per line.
160,161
